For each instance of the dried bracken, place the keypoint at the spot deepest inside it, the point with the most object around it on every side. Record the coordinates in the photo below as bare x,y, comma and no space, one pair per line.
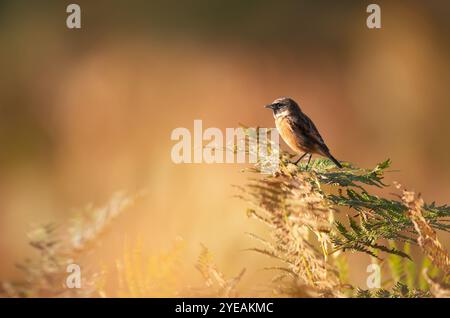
300,220
298,206
215,280
141,274
427,239
60,246
439,290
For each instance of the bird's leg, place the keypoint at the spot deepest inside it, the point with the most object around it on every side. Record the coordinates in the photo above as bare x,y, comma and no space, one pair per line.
307,165
300,158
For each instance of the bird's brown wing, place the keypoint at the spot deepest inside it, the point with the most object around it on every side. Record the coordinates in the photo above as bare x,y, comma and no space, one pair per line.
306,127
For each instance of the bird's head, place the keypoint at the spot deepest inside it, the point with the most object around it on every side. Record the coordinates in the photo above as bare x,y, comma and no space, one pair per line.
283,105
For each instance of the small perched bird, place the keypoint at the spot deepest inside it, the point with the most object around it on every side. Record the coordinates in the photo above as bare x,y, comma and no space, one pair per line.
298,131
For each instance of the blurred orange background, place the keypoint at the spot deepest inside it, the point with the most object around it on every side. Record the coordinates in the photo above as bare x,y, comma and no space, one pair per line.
85,113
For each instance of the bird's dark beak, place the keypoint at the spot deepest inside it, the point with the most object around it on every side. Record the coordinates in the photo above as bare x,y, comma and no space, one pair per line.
270,106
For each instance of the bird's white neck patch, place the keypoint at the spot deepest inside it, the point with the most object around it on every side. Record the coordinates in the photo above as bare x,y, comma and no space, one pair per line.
281,114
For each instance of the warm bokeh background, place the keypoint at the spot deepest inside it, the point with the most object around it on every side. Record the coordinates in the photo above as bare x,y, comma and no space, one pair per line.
84,113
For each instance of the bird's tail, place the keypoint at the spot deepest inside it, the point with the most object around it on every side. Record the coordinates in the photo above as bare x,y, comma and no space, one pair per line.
334,160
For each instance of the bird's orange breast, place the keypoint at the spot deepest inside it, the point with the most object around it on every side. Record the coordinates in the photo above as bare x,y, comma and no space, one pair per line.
288,134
